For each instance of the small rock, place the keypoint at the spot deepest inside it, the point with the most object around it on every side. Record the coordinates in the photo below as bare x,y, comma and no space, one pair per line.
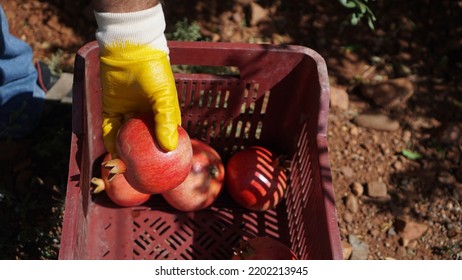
347,250
452,230
53,22
348,217
351,202
409,230
446,178
388,94
374,232
449,206
398,165
347,171
377,122
354,131
410,252
391,231
377,189
407,135
412,244
238,14
403,242
360,249
45,45
258,14
451,134
357,189
401,252
339,98
34,20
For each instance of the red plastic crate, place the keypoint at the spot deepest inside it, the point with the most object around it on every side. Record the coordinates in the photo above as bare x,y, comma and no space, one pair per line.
279,99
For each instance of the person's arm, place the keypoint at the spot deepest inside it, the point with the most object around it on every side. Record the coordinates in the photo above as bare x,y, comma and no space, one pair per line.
120,6
135,70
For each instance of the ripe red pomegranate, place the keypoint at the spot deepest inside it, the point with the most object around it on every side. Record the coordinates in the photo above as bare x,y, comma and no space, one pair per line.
118,189
150,169
263,248
204,182
254,179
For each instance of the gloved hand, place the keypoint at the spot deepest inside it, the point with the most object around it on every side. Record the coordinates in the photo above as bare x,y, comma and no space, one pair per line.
136,75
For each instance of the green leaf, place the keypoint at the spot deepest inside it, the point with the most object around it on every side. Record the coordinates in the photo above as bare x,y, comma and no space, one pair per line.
457,103
361,11
348,3
370,23
354,19
362,7
410,154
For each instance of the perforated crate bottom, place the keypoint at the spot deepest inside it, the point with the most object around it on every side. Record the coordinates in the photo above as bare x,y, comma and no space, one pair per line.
157,231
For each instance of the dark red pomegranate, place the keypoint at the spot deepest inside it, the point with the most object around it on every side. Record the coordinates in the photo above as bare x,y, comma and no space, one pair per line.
204,182
255,179
117,188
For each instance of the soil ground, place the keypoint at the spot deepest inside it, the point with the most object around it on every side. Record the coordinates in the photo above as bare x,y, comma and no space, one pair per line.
418,216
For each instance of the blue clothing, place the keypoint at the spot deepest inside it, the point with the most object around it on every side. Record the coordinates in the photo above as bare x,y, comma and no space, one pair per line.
21,99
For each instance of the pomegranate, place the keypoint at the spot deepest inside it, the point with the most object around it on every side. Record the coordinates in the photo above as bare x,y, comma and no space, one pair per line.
254,179
204,182
263,248
150,169
117,188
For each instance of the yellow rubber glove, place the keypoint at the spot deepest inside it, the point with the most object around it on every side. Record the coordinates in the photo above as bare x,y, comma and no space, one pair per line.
136,75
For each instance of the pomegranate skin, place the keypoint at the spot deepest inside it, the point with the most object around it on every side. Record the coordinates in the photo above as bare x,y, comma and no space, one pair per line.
120,191
254,179
204,182
150,169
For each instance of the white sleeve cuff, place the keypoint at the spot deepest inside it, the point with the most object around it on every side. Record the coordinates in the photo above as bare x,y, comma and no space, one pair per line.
144,27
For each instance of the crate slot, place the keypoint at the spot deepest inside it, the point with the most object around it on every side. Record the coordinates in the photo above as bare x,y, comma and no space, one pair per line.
173,242
140,244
